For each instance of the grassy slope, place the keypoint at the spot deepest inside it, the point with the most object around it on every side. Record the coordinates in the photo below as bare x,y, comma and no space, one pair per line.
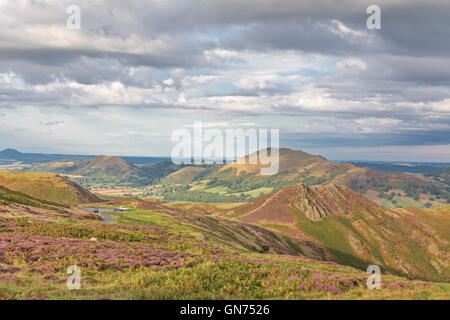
8,196
211,272
108,171
16,204
401,241
185,175
155,252
49,187
225,233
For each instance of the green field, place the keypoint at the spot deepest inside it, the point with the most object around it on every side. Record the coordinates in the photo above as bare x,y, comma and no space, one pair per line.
402,202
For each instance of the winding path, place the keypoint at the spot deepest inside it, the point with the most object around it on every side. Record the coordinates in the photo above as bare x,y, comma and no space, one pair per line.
101,212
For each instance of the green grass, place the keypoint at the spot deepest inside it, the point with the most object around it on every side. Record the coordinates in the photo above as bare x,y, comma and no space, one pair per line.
46,187
225,279
199,186
218,189
330,232
151,218
225,190
402,202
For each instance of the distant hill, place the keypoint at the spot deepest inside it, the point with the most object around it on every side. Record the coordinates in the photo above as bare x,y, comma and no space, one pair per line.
10,154
423,168
109,170
243,181
45,186
355,230
100,170
296,166
35,158
109,165
288,160
190,173
442,175
299,166
185,175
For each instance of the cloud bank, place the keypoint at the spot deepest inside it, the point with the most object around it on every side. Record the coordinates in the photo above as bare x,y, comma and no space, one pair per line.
137,70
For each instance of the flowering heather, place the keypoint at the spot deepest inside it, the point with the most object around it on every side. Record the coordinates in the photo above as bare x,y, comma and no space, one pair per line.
32,298
53,254
9,277
9,269
151,235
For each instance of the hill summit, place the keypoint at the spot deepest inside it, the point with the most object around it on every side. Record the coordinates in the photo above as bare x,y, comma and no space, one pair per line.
288,159
110,165
10,154
296,166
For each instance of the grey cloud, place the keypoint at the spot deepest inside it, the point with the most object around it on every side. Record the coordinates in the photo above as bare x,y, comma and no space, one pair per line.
406,64
188,28
368,140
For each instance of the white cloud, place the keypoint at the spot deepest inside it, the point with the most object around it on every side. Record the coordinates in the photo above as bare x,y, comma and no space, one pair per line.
351,64
181,99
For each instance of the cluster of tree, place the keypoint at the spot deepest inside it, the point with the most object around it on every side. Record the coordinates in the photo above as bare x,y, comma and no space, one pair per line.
109,181
201,196
411,189
441,175
414,190
238,185
388,196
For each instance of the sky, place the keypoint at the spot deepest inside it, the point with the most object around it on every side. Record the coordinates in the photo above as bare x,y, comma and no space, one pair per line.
136,71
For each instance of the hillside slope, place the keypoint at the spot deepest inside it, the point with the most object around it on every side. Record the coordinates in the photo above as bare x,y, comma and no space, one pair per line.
232,234
109,171
109,165
14,204
102,170
144,256
45,186
296,166
356,230
185,175
314,202
442,175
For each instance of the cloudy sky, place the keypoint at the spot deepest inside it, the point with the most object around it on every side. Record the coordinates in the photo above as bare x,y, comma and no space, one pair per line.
137,70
